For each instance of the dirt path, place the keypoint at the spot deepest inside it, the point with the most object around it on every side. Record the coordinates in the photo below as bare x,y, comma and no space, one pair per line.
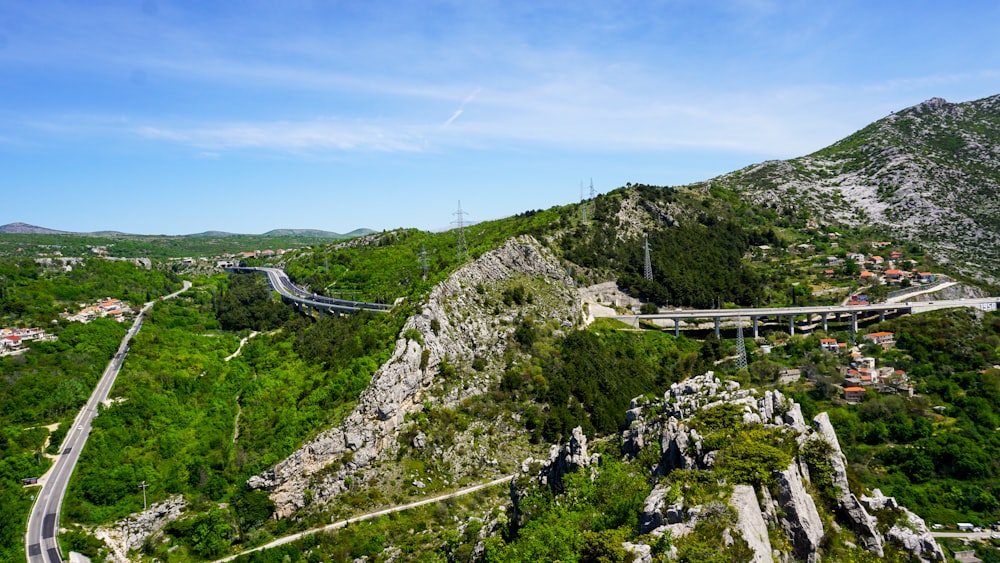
370,515
243,341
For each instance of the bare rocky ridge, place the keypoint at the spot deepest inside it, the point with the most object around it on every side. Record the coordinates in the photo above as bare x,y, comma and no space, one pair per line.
788,505
458,323
929,173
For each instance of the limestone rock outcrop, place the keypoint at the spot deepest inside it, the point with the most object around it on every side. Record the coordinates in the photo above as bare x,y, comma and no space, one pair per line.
562,460
799,516
910,531
457,324
786,504
750,522
131,533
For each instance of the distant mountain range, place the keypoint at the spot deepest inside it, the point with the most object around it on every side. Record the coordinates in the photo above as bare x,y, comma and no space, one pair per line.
26,229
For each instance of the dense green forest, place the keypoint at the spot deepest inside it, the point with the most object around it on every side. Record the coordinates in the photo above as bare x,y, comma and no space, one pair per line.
35,294
189,422
587,378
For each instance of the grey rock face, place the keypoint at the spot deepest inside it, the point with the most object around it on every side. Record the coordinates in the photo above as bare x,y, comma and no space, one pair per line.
652,510
863,524
750,522
131,533
562,460
801,520
792,508
910,532
465,329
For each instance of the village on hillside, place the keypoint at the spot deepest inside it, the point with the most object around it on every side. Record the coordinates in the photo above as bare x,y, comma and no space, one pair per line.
108,307
12,339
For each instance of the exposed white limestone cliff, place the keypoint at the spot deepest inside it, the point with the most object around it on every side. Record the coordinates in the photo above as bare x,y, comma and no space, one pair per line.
458,323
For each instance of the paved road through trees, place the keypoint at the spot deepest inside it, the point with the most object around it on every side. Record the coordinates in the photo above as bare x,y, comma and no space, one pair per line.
41,540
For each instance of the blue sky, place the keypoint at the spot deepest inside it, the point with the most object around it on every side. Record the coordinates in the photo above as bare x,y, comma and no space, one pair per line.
165,117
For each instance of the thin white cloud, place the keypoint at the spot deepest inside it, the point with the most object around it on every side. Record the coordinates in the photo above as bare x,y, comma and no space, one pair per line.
301,136
461,108
453,117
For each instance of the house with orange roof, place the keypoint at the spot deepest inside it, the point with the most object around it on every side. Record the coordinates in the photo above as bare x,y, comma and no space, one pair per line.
926,277
884,339
854,394
829,344
877,260
867,275
895,255
894,274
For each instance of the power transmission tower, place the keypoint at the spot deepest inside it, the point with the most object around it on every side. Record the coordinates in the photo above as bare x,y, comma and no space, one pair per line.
741,347
592,204
647,267
423,261
460,224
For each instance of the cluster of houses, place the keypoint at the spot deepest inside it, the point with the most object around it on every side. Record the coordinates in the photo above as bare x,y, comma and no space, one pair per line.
229,260
863,374
107,307
877,268
12,339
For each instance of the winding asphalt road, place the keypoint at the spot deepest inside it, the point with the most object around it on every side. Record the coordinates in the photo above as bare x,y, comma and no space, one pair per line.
41,542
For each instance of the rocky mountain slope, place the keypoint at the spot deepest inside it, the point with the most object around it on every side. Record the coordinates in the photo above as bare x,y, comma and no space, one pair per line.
462,319
929,173
791,513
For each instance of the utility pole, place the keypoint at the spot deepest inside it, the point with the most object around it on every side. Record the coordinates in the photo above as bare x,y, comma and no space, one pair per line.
143,485
460,224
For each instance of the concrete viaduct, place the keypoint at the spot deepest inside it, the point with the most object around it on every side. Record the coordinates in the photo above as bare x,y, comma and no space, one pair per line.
302,297
825,313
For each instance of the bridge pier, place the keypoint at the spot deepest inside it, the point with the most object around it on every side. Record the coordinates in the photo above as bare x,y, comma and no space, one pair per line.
791,325
717,327
854,322
824,322
677,328
756,334
881,317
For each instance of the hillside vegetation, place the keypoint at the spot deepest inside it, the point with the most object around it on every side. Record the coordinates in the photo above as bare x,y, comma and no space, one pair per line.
226,386
928,173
